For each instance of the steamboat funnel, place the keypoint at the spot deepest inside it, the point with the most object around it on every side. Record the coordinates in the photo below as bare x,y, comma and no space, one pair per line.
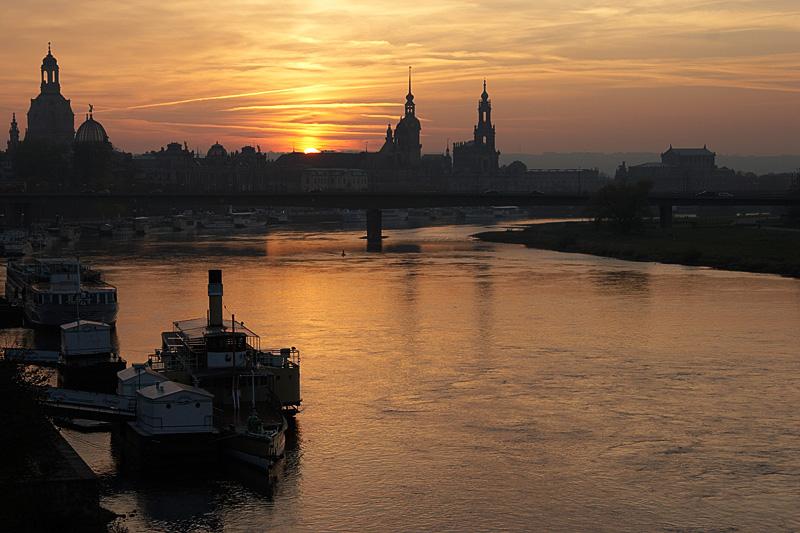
214,298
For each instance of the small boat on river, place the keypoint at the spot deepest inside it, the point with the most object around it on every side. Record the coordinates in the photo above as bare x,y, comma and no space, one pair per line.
55,291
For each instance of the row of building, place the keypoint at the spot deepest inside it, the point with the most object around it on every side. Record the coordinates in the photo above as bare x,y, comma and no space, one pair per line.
399,165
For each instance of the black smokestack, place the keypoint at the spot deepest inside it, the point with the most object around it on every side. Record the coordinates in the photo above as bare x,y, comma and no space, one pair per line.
215,297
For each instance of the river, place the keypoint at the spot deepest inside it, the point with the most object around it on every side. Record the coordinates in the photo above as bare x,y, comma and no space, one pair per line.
454,385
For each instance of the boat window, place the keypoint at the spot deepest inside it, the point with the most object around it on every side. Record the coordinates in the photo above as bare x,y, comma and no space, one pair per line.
225,343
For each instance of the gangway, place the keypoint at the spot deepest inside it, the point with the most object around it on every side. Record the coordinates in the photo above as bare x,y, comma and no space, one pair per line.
31,356
90,405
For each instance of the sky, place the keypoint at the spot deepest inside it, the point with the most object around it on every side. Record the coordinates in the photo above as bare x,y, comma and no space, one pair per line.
563,76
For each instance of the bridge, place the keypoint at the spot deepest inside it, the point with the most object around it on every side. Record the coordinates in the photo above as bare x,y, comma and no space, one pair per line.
90,405
371,202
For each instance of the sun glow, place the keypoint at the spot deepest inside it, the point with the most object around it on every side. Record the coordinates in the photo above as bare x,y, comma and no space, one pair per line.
310,150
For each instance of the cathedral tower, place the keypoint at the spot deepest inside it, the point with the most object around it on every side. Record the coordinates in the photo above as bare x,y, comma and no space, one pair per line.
479,155
484,130
13,134
408,149
50,118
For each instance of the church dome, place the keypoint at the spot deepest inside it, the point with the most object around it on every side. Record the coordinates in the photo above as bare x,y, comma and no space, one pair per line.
91,131
217,150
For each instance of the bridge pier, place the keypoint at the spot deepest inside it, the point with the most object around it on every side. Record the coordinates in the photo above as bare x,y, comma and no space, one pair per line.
665,215
374,229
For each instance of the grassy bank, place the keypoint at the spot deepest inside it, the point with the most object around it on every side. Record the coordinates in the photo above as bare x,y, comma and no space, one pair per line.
720,245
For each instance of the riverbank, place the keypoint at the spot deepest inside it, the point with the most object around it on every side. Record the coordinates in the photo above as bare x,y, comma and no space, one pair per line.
46,485
717,244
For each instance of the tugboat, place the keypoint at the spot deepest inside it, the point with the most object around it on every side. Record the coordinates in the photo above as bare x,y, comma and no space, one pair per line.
252,388
52,292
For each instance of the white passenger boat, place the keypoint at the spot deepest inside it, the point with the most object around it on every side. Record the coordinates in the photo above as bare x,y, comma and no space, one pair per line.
249,219
53,292
217,222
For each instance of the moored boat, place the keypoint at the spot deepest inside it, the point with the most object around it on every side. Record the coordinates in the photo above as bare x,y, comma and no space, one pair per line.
225,358
87,360
173,425
249,219
53,292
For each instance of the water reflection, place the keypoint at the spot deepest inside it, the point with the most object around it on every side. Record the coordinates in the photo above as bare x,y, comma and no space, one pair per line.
623,281
452,385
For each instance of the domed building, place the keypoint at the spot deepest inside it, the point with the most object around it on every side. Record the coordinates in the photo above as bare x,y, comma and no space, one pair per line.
91,130
92,154
50,118
405,145
217,151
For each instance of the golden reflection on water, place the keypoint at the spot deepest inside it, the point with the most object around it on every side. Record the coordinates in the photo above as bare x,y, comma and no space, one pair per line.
452,385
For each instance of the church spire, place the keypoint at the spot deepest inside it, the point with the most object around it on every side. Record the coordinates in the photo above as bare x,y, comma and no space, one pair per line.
409,97
13,133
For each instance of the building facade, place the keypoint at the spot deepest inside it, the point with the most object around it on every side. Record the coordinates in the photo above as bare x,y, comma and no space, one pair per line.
683,170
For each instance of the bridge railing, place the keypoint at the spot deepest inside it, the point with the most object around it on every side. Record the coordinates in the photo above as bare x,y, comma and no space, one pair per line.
90,400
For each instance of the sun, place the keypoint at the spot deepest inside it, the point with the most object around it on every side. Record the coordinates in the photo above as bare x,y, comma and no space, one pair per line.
310,150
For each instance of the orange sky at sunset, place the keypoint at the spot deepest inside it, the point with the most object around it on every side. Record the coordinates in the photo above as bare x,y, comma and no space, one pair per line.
563,76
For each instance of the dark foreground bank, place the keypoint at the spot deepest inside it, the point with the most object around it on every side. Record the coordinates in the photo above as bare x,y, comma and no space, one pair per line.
44,483
724,246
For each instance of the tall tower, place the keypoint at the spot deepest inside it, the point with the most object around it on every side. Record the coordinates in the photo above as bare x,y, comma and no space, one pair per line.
50,117
484,130
13,134
410,106
479,156
408,149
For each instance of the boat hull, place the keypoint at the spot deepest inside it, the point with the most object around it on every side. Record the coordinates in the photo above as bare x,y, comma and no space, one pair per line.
160,451
259,450
90,374
56,315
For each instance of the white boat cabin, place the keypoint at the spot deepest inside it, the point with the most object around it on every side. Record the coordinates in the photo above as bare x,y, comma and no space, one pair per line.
170,407
85,337
137,377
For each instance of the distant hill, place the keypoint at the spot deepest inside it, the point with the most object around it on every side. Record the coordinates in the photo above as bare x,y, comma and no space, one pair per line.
608,163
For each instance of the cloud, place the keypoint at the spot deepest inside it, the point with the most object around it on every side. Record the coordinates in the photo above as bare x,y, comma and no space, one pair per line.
183,64
223,97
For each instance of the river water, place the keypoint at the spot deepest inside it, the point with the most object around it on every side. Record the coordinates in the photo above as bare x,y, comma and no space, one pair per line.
453,385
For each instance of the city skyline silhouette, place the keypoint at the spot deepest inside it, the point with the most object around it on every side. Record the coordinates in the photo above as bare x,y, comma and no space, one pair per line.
578,78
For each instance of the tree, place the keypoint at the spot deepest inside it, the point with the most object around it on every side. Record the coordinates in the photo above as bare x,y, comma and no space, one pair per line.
25,431
624,205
